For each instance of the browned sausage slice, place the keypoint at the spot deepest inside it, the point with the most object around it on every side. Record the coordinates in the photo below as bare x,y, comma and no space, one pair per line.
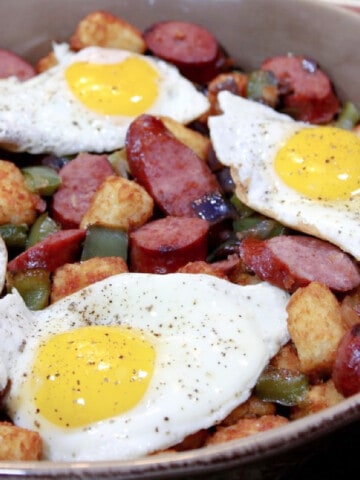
192,48
293,261
307,93
170,171
165,245
52,252
11,64
80,179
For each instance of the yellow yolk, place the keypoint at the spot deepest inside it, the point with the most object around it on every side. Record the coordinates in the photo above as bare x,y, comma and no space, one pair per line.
321,163
127,88
91,373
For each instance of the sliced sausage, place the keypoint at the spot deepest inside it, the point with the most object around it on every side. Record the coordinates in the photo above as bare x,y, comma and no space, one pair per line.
13,65
165,245
52,252
192,48
80,179
307,93
169,170
292,261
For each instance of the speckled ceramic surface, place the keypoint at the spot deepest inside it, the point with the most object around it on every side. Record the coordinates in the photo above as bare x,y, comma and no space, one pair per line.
250,30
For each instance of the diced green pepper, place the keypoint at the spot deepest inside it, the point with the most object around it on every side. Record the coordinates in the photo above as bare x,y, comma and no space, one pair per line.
14,236
258,227
41,228
41,179
242,209
262,87
348,117
286,387
33,285
105,242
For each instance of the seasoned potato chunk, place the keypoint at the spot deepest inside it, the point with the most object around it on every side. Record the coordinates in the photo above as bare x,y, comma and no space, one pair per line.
201,267
17,204
252,408
119,203
287,358
46,62
245,427
71,277
234,82
105,30
316,327
18,443
192,139
318,397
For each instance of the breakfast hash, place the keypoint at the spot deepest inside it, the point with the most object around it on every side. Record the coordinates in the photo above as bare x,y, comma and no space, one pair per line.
179,244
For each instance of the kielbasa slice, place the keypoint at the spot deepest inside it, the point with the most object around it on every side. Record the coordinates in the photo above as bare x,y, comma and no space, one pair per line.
306,91
292,261
188,46
52,252
80,179
13,65
165,245
169,170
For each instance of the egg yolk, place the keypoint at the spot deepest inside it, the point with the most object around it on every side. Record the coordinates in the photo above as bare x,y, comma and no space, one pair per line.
90,374
128,88
321,163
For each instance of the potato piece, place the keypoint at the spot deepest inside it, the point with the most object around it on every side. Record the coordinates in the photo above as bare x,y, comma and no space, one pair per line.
46,62
105,30
254,407
234,82
316,327
19,443
350,308
245,427
192,139
119,203
17,204
201,267
287,358
71,277
318,397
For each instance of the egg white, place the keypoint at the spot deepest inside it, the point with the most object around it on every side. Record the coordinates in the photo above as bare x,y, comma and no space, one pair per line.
213,340
246,137
41,115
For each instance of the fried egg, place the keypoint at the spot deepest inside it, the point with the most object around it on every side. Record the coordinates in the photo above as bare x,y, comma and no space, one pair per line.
88,100
306,177
136,362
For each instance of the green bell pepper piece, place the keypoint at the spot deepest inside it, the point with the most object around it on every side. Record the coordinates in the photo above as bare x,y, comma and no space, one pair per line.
33,285
105,242
41,179
286,387
41,228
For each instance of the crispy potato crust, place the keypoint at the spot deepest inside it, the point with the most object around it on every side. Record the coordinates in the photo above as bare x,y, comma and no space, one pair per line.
287,358
245,427
254,407
192,139
71,277
201,267
316,327
17,204
19,444
318,397
119,203
46,62
105,30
